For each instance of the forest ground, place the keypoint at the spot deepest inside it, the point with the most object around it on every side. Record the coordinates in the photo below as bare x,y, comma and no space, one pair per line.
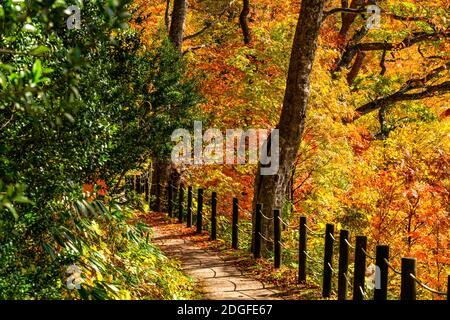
218,276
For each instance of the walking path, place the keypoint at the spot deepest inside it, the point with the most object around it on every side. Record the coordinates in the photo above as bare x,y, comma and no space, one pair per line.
217,275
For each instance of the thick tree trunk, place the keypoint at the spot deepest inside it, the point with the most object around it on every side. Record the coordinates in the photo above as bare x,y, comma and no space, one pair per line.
177,24
270,190
243,20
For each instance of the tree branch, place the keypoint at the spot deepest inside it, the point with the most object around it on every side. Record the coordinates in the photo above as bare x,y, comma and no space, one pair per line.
404,95
409,41
328,13
429,91
383,63
357,65
209,24
191,49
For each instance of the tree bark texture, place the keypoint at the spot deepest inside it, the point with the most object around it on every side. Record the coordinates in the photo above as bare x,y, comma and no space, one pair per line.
270,190
243,20
177,23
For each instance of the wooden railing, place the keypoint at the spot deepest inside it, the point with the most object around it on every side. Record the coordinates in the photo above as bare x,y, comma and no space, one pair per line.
347,279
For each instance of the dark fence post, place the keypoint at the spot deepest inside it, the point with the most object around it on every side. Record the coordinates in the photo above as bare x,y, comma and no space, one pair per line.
258,218
146,189
200,211
360,268
189,208
328,261
381,272
157,203
302,251
127,183
214,216
180,203
408,283
277,238
448,287
344,236
170,199
234,225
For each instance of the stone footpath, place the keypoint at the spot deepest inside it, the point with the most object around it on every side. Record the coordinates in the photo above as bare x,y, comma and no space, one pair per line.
218,277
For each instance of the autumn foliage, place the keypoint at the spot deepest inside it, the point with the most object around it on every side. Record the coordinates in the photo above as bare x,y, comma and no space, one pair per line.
387,179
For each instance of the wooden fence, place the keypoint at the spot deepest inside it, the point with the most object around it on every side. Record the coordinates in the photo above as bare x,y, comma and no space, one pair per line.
347,279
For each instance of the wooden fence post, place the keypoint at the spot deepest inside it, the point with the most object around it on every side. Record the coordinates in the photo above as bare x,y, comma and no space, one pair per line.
146,189
170,199
189,208
180,203
302,251
328,261
382,254
360,268
258,218
200,211
408,283
125,189
213,216
277,238
157,203
448,287
344,236
234,225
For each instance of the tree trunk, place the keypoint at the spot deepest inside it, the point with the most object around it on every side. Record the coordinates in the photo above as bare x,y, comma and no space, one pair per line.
243,20
177,24
163,170
167,15
160,176
270,190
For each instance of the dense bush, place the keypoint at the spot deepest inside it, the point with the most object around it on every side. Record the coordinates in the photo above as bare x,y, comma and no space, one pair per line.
76,107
